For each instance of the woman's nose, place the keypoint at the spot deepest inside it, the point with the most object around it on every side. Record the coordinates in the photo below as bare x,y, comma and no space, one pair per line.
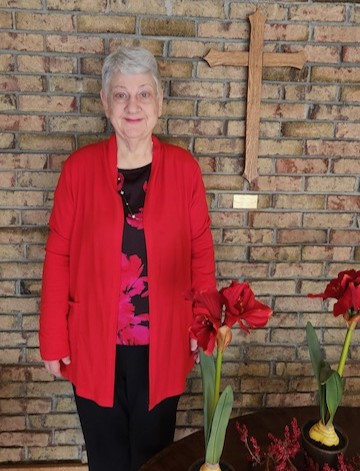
132,103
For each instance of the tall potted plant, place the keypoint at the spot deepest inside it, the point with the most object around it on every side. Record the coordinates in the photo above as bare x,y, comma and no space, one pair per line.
215,313
346,290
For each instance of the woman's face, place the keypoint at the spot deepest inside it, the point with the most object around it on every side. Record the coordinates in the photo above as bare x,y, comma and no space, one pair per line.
132,105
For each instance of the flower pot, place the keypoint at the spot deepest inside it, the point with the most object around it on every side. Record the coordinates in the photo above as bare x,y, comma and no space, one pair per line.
199,463
320,453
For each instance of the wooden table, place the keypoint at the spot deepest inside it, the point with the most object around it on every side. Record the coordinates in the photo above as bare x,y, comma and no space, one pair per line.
180,455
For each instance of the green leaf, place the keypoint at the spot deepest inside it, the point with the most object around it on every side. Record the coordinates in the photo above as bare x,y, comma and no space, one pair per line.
325,371
316,355
334,391
219,425
207,365
318,364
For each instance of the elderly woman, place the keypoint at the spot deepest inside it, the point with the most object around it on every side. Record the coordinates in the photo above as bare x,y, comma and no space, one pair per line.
129,237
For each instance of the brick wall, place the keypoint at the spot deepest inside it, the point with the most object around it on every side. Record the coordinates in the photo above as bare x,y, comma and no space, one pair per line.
306,226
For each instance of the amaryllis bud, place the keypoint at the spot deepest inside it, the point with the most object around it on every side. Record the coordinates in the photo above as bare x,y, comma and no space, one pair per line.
223,338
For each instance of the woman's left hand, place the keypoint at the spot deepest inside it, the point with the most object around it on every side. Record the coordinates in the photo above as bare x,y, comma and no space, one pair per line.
54,366
195,350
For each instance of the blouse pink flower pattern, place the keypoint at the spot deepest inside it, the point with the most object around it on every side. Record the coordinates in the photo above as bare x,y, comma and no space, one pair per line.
132,329
133,312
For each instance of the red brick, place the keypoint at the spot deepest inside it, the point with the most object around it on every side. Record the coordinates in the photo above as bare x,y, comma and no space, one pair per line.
57,104
339,34
286,32
306,202
7,62
350,94
283,110
21,83
24,439
301,236
23,123
34,63
155,7
219,72
197,89
290,270
281,183
321,220
317,13
333,183
77,5
44,21
221,109
224,30
77,124
166,27
347,130
349,166
351,54
7,102
335,74
6,20
290,165
7,141
235,270
274,219
7,179
155,46
30,4
46,142
348,237
326,252
21,41
199,127
190,49
316,93
45,179
333,148
276,254
344,203
272,11
28,161
218,145
55,43
106,24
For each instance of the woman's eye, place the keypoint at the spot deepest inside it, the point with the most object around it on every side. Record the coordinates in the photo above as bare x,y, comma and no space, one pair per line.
120,96
145,95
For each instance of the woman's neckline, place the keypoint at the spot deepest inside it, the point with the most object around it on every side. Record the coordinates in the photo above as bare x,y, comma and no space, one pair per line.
143,167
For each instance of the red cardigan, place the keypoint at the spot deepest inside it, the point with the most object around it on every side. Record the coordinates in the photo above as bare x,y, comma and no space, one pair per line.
81,277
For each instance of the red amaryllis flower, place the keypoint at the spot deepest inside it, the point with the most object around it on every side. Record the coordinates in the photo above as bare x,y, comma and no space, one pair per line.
349,303
336,287
207,318
346,289
242,307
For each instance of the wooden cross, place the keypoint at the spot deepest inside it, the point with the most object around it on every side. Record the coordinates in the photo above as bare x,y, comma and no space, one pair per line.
255,60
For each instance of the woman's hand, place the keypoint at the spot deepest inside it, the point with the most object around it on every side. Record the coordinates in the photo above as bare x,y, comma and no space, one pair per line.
53,366
195,350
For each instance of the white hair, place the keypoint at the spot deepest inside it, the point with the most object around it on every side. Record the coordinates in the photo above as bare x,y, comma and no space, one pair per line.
130,60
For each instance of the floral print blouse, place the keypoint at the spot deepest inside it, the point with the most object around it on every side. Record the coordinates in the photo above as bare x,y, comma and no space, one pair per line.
133,314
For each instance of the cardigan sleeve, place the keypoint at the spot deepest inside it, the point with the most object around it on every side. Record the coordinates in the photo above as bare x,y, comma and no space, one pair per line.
53,335
202,247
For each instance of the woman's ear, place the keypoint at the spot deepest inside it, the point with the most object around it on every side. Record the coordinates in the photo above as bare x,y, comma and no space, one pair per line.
160,100
104,102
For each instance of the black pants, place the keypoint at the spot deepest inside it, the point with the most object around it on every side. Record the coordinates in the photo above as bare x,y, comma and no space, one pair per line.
123,437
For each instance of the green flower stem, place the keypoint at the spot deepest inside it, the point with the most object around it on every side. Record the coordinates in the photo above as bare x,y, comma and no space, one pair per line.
345,349
219,357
